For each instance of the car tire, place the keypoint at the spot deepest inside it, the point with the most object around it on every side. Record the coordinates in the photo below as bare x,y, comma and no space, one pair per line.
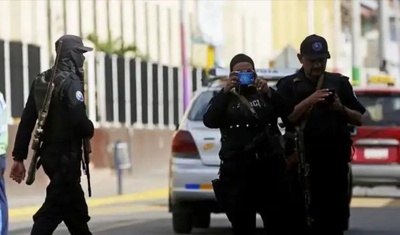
202,220
182,222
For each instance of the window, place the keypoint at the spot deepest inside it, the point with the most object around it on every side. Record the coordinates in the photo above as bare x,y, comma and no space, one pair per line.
200,105
382,109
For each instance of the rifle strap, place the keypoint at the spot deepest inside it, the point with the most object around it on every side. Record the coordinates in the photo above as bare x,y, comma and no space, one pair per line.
308,112
244,101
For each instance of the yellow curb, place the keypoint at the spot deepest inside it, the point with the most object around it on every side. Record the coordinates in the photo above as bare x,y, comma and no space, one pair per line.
371,202
96,202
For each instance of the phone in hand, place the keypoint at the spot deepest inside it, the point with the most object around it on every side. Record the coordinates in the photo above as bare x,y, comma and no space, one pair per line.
331,97
246,78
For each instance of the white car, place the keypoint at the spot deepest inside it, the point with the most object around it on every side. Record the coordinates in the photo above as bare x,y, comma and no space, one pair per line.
194,161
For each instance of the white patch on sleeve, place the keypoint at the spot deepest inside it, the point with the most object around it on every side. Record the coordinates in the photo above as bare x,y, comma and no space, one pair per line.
79,96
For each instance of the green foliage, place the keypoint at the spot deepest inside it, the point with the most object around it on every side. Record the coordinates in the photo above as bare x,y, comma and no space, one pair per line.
115,46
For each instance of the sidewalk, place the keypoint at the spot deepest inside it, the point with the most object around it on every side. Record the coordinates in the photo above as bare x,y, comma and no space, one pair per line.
104,185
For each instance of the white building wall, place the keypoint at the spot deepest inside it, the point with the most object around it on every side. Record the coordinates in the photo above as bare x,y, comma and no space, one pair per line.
27,21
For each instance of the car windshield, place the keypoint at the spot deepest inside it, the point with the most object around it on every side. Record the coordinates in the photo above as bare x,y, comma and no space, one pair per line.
200,105
382,109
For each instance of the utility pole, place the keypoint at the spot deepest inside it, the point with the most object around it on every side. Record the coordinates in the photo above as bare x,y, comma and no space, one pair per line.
186,88
383,34
355,41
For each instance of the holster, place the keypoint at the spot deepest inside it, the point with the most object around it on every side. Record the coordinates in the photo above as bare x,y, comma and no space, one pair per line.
216,184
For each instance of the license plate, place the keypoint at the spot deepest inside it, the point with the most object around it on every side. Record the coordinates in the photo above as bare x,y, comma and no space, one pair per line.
381,154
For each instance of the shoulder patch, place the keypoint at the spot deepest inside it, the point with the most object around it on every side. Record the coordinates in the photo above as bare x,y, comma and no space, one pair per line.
79,96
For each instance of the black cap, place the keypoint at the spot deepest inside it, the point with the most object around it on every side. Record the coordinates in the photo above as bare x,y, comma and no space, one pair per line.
315,47
72,42
240,58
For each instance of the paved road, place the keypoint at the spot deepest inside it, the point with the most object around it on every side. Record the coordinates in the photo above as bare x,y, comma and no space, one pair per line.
369,217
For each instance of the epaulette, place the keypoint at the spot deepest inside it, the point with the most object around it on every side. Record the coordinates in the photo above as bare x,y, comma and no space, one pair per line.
285,79
339,75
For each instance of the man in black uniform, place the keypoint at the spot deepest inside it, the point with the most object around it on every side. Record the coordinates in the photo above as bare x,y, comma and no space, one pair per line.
252,170
324,106
60,154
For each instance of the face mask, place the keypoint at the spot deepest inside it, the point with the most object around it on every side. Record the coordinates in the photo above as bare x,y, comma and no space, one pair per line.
81,73
78,58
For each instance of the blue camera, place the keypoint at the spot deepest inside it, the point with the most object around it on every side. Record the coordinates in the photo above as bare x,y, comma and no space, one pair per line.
246,78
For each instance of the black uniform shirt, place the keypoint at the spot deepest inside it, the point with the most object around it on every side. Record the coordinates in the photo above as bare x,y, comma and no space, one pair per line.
71,95
322,120
237,124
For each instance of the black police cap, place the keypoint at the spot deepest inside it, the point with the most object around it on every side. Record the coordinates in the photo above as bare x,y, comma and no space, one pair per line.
72,42
315,47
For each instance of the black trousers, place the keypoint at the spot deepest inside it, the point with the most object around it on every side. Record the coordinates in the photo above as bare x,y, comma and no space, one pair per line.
255,187
329,191
65,200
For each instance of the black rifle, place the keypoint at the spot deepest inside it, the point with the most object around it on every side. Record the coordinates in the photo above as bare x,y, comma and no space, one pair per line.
37,142
304,166
87,149
304,173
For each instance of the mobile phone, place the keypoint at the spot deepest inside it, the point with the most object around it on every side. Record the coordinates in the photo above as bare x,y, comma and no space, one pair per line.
246,78
331,97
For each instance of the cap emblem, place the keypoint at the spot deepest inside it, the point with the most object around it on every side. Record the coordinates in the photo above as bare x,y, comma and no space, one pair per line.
317,46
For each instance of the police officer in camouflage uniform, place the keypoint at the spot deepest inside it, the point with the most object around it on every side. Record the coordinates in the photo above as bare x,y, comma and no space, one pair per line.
252,170
60,154
325,113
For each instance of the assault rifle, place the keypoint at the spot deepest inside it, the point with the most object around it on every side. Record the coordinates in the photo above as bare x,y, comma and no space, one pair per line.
87,149
304,173
37,142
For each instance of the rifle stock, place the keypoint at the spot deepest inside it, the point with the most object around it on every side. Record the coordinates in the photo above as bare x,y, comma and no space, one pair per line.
33,166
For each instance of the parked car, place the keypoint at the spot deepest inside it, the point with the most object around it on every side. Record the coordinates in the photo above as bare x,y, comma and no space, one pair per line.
194,158
377,143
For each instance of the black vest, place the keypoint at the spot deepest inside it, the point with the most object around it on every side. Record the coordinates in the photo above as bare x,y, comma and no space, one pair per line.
56,128
241,127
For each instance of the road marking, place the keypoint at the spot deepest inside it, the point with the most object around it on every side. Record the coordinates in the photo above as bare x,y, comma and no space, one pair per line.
371,202
25,213
96,202
123,209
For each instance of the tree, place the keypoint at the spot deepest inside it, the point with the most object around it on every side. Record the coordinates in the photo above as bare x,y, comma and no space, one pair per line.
115,46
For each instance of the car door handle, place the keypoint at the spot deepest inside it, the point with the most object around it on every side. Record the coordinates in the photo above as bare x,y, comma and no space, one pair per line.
209,138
